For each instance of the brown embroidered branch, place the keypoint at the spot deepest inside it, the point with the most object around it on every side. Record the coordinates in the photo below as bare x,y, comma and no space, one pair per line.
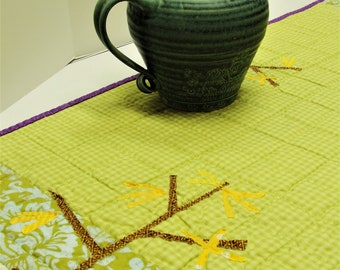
264,77
85,237
274,67
227,244
172,205
99,253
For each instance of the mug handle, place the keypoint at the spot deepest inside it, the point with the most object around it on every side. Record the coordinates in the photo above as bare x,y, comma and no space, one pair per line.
145,81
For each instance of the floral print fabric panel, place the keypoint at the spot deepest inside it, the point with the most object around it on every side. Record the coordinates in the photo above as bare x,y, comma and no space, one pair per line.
35,235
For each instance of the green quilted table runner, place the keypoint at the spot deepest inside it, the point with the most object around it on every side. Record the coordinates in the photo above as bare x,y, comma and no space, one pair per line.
120,181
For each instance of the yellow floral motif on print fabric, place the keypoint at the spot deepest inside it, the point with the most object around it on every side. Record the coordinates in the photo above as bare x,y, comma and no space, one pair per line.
40,218
228,193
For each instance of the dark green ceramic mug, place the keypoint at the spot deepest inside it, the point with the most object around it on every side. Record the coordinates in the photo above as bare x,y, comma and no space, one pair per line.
197,52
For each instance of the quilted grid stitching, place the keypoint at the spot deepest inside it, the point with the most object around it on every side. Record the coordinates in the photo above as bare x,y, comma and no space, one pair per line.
281,142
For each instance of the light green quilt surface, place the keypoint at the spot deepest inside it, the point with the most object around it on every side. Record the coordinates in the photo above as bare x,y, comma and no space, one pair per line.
110,159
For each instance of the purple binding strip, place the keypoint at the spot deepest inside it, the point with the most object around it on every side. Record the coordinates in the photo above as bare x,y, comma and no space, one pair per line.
295,12
65,106
114,85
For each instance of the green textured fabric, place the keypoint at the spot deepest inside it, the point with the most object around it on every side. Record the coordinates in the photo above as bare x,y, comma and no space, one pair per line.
279,138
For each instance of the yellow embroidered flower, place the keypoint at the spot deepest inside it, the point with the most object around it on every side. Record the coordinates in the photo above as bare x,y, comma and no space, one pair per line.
41,218
150,194
286,62
209,179
261,77
237,196
228,193
211,247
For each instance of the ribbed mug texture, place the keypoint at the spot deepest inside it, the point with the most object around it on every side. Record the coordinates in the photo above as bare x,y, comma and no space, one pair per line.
197,51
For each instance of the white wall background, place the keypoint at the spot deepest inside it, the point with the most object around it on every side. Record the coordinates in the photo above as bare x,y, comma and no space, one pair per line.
39,37
85,40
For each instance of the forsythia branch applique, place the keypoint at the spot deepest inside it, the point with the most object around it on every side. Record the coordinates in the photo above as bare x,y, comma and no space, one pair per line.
146,192
262,78
211,247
